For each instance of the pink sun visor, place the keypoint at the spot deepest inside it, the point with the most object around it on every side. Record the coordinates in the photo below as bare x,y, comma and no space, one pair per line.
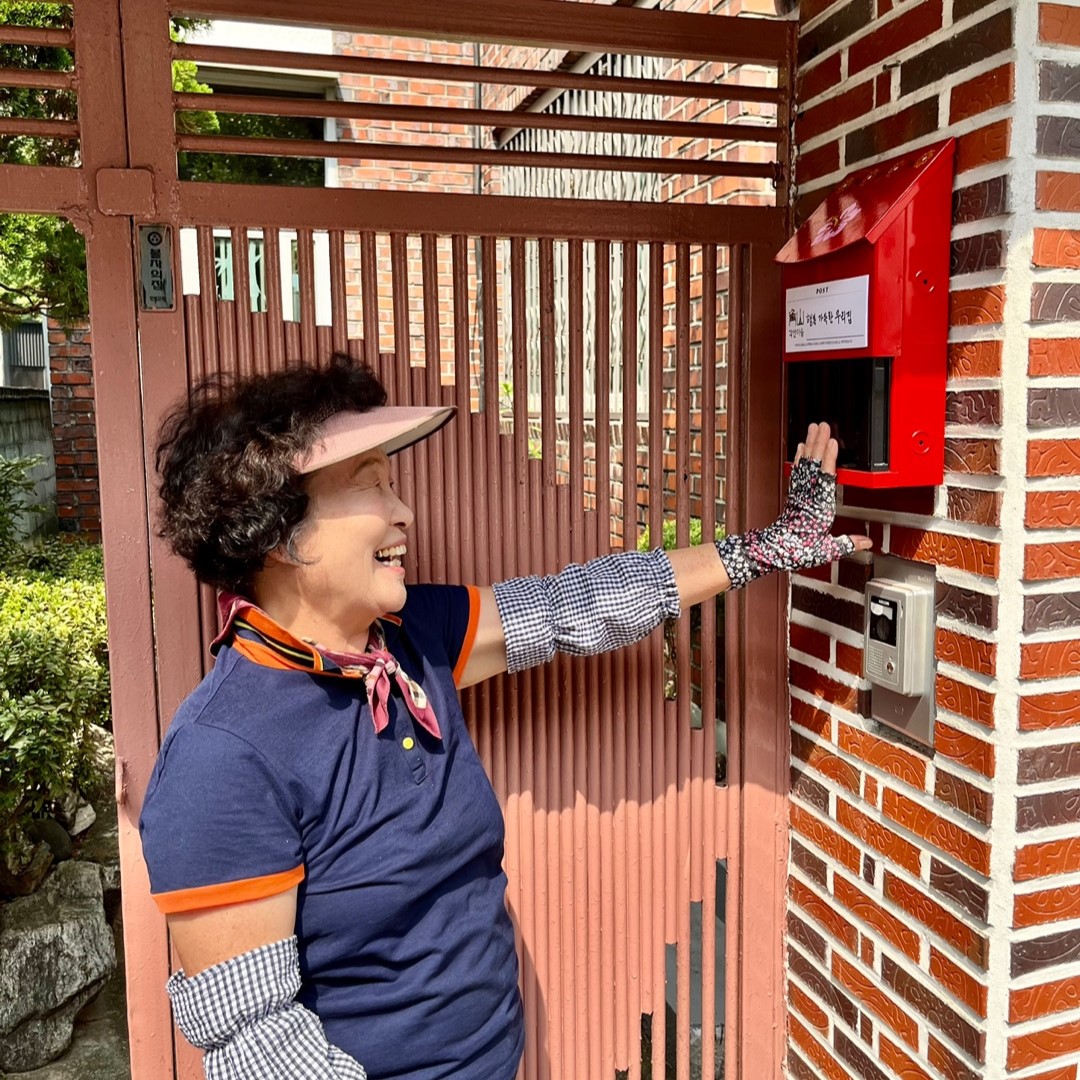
390,428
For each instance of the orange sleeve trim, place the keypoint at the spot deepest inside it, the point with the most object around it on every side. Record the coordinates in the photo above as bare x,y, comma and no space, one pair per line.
228,892
470,633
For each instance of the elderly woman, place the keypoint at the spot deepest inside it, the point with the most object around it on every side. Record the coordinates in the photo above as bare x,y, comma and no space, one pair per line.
318,828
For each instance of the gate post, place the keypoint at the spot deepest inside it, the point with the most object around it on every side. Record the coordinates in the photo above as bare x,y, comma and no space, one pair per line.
125,525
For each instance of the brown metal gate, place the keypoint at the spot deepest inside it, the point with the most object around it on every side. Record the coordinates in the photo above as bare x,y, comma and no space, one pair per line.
616,821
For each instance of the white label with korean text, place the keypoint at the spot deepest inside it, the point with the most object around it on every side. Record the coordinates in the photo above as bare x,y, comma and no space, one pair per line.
828,315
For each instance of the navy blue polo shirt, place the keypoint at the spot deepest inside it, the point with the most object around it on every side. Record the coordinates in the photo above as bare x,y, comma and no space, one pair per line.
271,777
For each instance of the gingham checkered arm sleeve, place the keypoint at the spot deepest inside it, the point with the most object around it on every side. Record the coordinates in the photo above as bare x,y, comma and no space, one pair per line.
242,1015
586,609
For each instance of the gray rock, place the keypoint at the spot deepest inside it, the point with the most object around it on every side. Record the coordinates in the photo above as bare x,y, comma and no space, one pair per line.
67,807
85,816
101,845
22,878
75,813
56,952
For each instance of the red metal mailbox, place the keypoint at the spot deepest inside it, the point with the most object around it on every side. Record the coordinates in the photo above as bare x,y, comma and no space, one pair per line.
866,314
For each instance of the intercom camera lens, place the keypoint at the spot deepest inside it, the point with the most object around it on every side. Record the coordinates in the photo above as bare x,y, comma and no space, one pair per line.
881,628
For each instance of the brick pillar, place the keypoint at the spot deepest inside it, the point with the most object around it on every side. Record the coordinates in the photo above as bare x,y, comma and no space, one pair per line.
920,929
78,503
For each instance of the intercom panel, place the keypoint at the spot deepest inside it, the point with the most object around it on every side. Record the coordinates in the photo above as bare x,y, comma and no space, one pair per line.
898,646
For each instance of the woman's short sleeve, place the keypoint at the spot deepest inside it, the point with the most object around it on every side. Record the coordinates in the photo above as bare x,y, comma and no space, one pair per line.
443,617
217,825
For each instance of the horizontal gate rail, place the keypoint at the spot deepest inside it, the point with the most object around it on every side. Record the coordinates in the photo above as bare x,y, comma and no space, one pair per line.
371,151
42,189
41,80
403,211
468,73
267,106
55,37
51,129
571,26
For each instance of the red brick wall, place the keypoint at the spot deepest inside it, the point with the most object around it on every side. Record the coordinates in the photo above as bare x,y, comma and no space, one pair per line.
78,504
932,918
1044,908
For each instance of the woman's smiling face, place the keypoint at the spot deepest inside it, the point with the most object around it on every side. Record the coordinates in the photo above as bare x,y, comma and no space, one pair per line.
352,542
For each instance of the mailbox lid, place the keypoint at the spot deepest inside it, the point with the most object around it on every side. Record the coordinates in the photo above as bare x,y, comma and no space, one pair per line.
863,205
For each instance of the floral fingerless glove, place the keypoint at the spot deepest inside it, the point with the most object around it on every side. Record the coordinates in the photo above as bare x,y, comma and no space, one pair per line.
799,539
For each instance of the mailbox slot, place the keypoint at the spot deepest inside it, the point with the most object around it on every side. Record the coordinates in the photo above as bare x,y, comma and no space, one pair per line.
853,397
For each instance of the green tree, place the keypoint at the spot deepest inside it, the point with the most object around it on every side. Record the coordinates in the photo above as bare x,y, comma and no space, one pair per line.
43,259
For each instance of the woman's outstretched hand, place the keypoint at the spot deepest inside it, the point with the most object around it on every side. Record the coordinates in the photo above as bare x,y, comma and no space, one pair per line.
801,537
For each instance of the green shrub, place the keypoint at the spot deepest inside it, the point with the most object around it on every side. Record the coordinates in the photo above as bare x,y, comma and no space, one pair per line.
54,679
59,557
671,534
16,499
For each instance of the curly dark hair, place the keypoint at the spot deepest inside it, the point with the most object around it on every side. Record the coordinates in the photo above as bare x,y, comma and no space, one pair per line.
229,492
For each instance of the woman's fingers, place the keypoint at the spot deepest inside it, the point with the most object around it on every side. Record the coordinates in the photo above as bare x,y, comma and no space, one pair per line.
862,543
828,460
800,453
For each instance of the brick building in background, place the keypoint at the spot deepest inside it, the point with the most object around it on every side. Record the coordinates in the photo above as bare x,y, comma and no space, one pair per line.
78,502
934,902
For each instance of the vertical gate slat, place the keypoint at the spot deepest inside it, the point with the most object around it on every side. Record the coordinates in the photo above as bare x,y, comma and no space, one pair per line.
369,298
602,411
657,714
399,273
242,300
226,328
207,299
400,357
487,472
575,745
430,280
505,697
572,685
710,659
631,658
526,528
274,315
259,337
339,306
583,731
520,380
548,1020
432,396
305,262
421,457
450,507
507,741
548,724
733,630
547,363
196,361
683,676
462,378
324,344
